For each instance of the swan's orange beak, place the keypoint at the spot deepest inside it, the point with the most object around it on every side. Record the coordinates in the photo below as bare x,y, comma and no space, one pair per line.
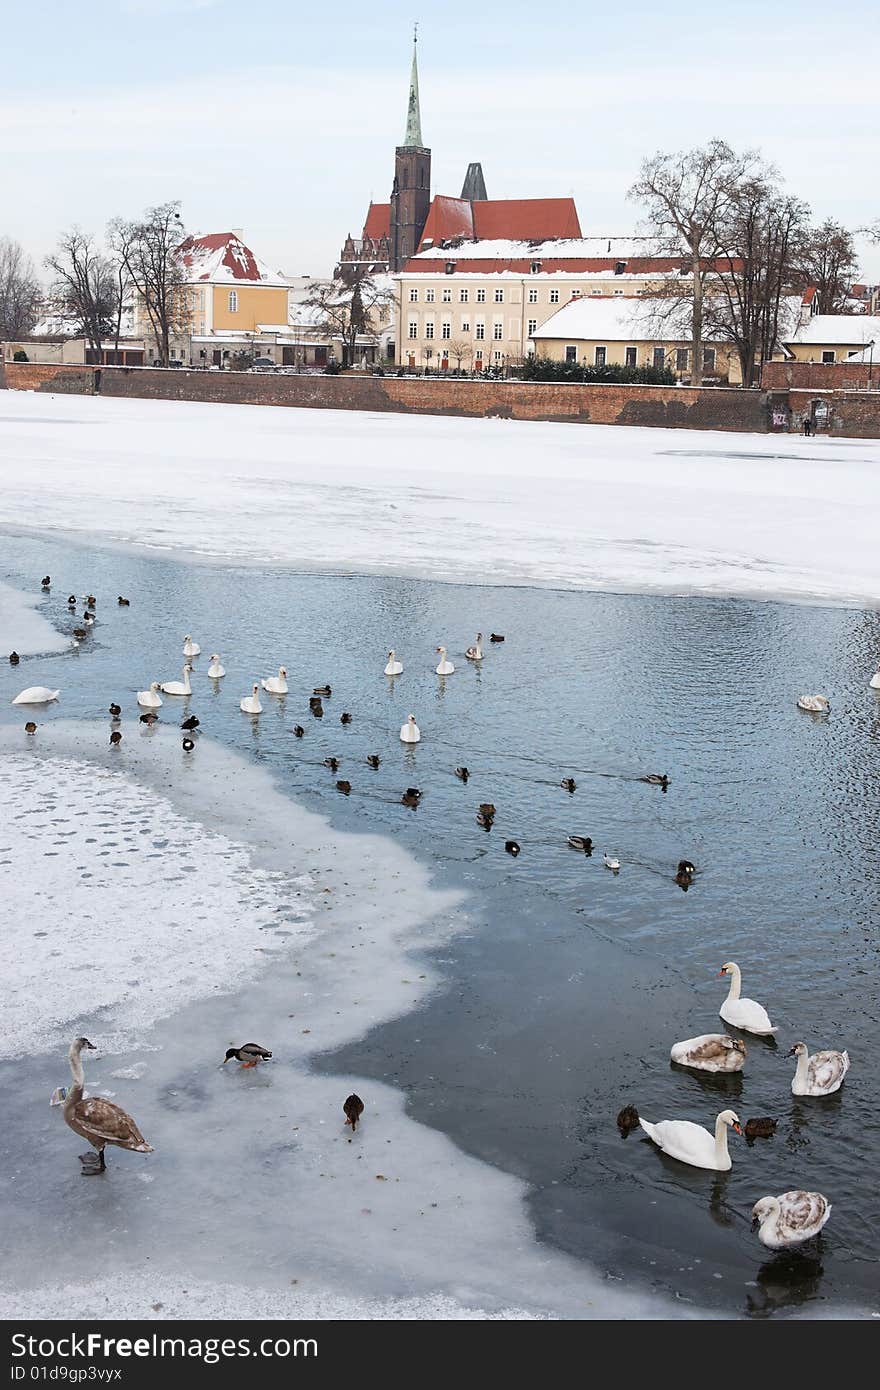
722,972
737,1127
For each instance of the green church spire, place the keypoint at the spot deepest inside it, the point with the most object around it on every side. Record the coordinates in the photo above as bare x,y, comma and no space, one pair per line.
413,137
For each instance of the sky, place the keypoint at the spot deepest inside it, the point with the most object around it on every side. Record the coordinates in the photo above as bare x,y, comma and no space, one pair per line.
281,118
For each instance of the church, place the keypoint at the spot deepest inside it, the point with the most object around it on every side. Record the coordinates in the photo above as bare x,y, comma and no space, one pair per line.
414,221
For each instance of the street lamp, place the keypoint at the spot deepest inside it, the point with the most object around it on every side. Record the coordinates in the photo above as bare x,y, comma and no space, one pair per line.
870,363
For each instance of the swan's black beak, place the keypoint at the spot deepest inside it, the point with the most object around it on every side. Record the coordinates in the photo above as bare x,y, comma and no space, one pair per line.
790,1052
755,1222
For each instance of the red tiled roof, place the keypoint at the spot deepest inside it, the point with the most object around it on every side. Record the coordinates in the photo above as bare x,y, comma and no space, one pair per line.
643,265
378,223
810,294
528,219
448,217
201,256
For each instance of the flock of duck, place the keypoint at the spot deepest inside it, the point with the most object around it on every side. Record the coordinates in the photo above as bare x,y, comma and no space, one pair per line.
791,1217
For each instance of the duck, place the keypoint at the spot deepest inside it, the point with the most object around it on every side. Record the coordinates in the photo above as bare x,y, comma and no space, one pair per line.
178,687
332,763
790,1219
686,868
36,695
656,779
115,710
250,704
79,633
96,1120
496,637
90,600
411,797
394,667
14,658
345,717
215,670
88,618
123,602
149,718
353,1108
610,862
743,1013
444,667
819,1075
46,581
816,704
512,847
150,699
298,731
710,1052
581,842
190,648
373,760
628,1119
191,723
30,727
486,821
71,600
569,784
343,786
764,1127
276,685
249,1054
693,1144
487,808
410,731
874,682
187,745
115,738
475,653
462,774
315,706
323,690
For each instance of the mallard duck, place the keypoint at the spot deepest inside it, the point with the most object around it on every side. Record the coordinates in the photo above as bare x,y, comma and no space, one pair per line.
79,633
710,1052
511,847
373,760
581,842
819,1075
610,862
115,738
188,745
149,718
98,1121
249,1054
353,1108
30,727
46,581
14,658
475,653
191,723
628,1119
743,1013
115,710
487,808
345,718
790,1219
761,1128
495,637
656,779
123,602
332,763
462,774
569,784
315,707
693,1144
298,731
323,690
343,786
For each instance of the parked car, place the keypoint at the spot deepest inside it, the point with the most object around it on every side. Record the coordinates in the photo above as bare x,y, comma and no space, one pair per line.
262,364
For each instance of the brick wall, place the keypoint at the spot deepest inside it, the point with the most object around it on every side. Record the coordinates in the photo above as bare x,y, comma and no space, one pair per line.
711,408
820,376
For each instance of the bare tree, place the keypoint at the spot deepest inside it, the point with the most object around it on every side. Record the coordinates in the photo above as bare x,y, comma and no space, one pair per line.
84,287
687,195
829,263
20,292
148,249
349,310
460,349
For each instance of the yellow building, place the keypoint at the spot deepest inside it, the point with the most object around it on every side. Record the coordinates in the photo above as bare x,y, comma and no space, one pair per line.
833,338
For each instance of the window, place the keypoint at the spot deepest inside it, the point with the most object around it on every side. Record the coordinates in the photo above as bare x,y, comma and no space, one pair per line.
618,291
450,267
829,355
535,268
620,267
429,296
708,359
499,296
681,359
446,330
465,325
413,296
631,356
576,294
594,290
481,296
429,329
600,356
554,296
413,328
571,353
498,356
658,356
533,327
447,294
533,294
498,330
480,330
233,301
462,296
429,353
479,355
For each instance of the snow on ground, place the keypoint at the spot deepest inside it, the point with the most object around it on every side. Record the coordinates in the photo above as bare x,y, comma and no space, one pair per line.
22,630
486,501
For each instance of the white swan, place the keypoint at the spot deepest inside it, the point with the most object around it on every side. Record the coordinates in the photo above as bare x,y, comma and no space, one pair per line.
475,653
178,687
611,863
790,1219
692,1144
36,695
445,668
710,1052
251,703
819,1075
394,667
874,682
276,685
215,670
190,648
816,704
150,699
743,1013
410,731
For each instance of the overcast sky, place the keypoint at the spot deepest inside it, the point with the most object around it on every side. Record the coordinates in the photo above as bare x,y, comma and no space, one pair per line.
281,117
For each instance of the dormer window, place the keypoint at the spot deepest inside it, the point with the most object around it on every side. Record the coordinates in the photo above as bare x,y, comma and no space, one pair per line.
233,301
620,268
535,268
450,267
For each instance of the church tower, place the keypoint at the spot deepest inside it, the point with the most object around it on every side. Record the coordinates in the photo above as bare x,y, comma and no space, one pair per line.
411,193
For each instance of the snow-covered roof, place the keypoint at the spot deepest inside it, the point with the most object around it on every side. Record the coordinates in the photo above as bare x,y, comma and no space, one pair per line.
563,248
619,320
851,330
221,258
